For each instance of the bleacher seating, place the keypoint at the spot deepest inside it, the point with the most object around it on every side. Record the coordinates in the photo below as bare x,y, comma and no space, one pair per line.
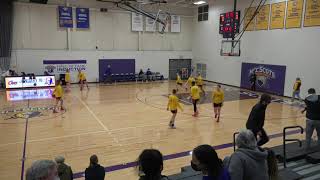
127,77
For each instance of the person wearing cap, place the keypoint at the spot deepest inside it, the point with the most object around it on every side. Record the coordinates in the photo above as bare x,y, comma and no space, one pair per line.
64,171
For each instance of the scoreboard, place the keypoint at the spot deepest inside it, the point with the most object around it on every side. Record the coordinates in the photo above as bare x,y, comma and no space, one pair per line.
226,20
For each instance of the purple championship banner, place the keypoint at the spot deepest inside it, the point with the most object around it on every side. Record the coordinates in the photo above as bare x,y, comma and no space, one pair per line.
65,17
82,18
270,78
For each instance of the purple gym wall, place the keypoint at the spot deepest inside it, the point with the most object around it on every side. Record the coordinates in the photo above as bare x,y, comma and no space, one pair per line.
270,78
118,66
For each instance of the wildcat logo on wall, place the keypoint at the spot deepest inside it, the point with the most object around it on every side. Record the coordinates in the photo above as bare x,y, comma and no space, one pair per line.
263,75
60,66
270,78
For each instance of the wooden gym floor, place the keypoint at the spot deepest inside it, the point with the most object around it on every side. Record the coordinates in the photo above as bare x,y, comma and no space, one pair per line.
117,122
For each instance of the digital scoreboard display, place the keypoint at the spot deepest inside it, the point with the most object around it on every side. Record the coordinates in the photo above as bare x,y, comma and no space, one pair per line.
28,82
226,21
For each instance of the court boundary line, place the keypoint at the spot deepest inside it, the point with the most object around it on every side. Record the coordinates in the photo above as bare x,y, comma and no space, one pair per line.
175,155
24,144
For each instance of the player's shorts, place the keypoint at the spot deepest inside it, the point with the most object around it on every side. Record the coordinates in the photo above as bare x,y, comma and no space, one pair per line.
179,83
58,98
200,86
174,111
82,81
217,104
195,100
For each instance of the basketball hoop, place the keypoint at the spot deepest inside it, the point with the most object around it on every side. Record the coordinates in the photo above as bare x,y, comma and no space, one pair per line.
166,21
230,48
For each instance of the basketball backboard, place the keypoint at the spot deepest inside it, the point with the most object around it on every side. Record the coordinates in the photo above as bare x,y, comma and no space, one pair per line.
230,48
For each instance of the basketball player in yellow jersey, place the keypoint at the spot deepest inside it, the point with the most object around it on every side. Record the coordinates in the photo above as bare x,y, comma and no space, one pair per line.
199,82
195,95
173,105
179,82
217,100
67,79
189,82
82,79
58,94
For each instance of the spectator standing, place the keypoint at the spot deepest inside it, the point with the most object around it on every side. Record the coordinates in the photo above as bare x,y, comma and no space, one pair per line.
94,171
312,102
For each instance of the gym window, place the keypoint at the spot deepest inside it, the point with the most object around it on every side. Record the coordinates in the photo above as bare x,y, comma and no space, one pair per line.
203,13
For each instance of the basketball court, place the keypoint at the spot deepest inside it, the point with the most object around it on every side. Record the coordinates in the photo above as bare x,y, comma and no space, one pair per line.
117,122
131,52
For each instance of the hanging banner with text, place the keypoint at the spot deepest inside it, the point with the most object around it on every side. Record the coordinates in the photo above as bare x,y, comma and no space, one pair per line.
150,25
312,14
82,18
136,22
294,14
270,78
175,23
65,17
249,12
262,19
277,15
60,66
163,17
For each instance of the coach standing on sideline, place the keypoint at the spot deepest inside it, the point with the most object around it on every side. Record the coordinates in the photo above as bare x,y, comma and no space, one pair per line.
256,119
313,115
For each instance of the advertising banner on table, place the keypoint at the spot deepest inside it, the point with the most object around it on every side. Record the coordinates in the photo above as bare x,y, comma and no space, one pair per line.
249,14
294,14
277,15
270,78
60,66
28,82
18,95
312,14
175,23
262,19
65,17
150,25
136,22
83,18
163,18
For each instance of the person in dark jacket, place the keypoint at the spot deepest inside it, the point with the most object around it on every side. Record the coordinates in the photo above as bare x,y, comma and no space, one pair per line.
256,119
150,164
253,80
94,171
313,115
206,160
64,171
107,75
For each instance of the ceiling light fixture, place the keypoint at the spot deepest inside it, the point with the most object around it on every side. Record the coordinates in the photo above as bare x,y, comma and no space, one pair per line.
199,2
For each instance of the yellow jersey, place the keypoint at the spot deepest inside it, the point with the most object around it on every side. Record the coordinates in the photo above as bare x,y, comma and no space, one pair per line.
82,76
190,80
58,91
173,103
297,85
67,77
217,96
195,92
179,81
199,81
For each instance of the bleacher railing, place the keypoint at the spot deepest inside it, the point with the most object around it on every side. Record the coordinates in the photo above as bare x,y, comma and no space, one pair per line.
289,140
